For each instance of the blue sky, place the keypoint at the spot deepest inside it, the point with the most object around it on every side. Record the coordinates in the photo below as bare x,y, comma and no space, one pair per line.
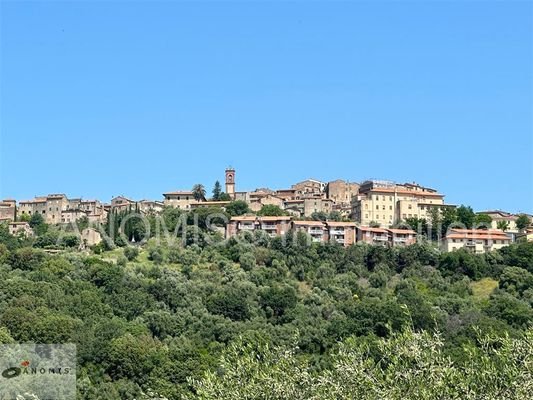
138,98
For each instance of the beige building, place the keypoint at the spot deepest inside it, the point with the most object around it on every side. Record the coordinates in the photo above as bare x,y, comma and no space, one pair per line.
248,223
341,192
499,216
90,237
17,228
386,237
8,209
50,207
309,186
307,206
150,206
57,209
70,216
475,240
179,199
316,229
387,203
268,199
526,236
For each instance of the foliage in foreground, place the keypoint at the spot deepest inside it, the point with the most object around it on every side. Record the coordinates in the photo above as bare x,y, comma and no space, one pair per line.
408,365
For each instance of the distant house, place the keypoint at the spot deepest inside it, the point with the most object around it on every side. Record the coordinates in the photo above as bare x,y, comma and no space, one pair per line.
475,240
17,228
90,237
179,199
8,209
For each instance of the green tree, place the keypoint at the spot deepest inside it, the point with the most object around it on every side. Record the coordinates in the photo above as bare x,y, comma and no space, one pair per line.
466,216
502,225
38,224
198,192
522,221
271,210
237,207
483,221
217,191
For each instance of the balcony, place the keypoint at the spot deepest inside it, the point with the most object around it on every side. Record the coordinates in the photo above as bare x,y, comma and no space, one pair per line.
470,244
316,232
400,239
269,227
340,240
337,232
247,227
380,239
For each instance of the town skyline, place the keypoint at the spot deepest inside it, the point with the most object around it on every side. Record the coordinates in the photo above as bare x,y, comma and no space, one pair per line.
139,194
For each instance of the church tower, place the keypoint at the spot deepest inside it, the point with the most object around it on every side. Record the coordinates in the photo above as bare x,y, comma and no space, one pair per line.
230,182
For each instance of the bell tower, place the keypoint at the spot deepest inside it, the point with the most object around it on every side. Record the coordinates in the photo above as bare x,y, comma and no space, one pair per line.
230,182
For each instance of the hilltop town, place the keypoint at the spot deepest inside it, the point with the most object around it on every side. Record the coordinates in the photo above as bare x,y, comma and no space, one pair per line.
377,212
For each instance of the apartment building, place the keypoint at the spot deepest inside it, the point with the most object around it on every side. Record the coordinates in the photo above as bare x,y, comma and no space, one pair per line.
401,237
341,192
324,231
305,207
17,228
248,223
316,229
8,209
526,236
386,237
475,240
341,232
388,203
374,236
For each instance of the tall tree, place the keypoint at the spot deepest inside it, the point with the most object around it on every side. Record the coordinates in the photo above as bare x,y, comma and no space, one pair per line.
198,191
522,222
217,191
466,216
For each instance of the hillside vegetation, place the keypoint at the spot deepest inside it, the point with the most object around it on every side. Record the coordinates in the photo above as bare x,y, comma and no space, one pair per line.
256,317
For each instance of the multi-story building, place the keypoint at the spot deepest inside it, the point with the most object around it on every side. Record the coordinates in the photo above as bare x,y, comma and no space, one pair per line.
179,199
305,207
309,186
341,192
324,231
341,232
386,237
57,209
256,203
248,223
375,236
8,209
501,217
475,240
316,229
50,207
72,215
387,203
17,228
401,237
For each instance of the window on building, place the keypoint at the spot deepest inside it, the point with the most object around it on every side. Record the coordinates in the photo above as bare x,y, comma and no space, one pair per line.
377,207
390,208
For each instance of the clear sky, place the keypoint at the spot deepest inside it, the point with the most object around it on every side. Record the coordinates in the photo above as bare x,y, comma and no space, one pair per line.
138,98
